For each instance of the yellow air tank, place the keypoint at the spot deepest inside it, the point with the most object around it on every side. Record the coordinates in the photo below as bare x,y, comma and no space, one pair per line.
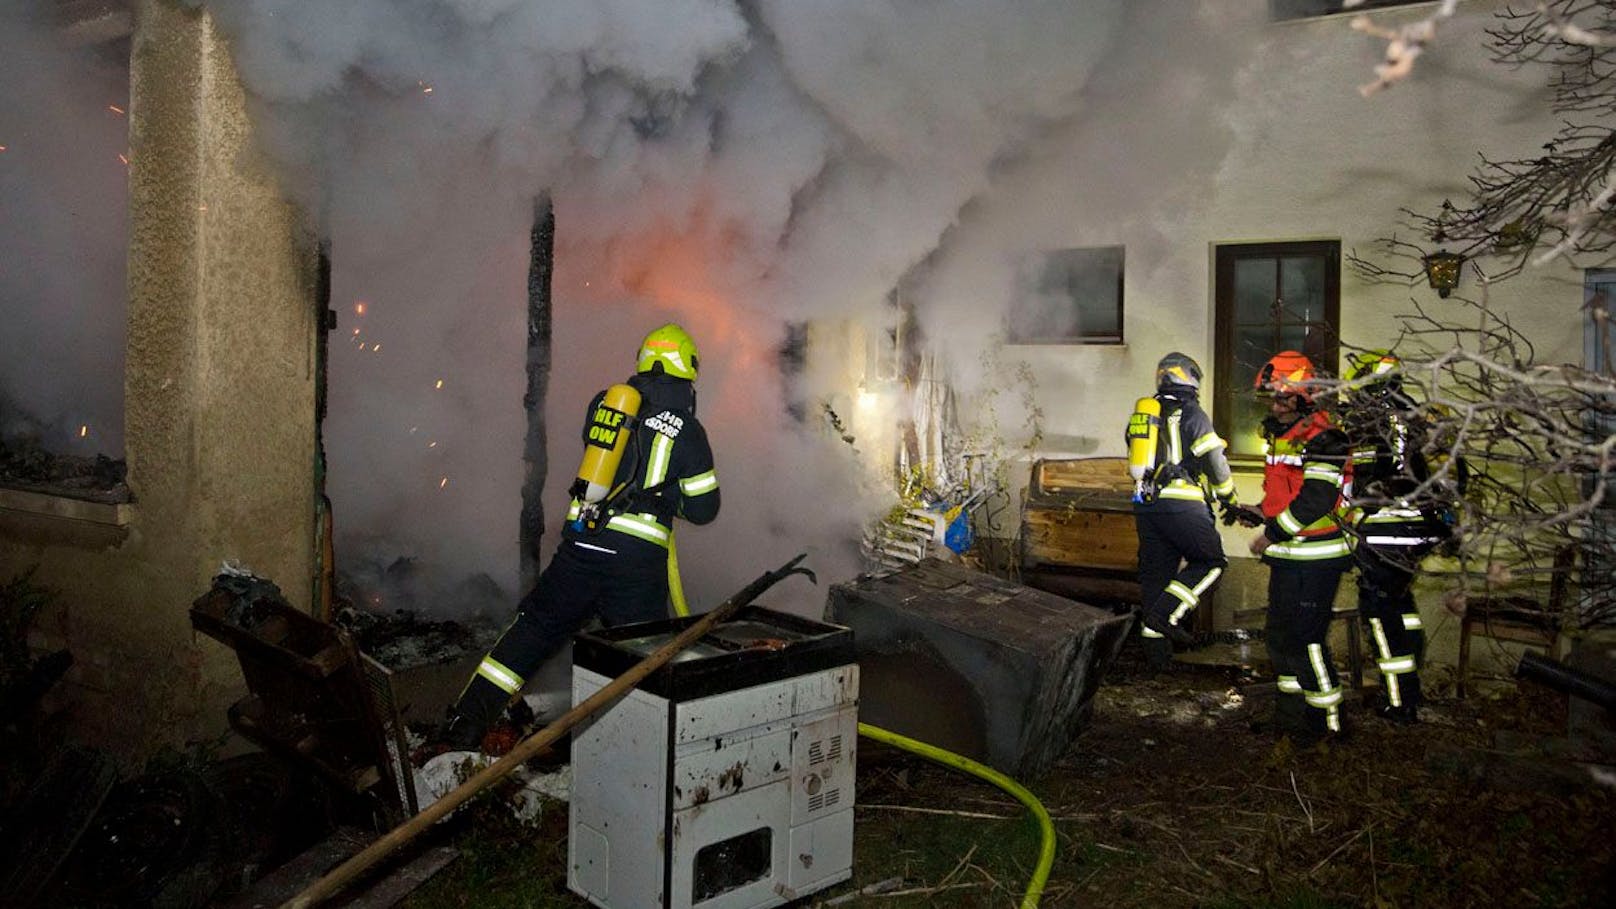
1144,426
609,431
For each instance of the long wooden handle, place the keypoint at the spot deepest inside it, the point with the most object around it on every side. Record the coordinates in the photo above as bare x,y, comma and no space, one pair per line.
344,874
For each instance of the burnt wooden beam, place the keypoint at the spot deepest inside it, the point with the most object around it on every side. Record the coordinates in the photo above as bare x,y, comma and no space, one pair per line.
540,269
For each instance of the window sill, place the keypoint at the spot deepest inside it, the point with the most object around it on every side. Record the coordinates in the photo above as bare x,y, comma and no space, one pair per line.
38,518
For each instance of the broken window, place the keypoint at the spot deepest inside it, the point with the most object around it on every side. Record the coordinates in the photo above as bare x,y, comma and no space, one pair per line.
1270,297
1069,296
63,246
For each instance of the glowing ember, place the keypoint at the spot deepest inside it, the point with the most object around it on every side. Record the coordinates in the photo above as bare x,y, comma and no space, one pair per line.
443,482
115,109
359,308
432,444
361,345
201,208
356,332
84,430
375,348
439,385
124,159
425,88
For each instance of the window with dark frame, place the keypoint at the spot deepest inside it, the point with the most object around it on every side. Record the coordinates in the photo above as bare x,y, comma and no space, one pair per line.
1269,297
1281,10
1069,296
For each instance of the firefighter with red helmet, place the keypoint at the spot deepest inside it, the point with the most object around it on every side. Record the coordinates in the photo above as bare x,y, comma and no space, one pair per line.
612,560
1397,509
1303,544
1180,466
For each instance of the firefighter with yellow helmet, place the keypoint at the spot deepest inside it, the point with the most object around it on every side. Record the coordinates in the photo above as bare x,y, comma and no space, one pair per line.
1398,510
646,462
1305,471
1177,461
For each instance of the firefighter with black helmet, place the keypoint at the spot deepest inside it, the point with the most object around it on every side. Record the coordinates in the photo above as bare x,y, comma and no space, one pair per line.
1304,474
647,462
1397,515
1178,462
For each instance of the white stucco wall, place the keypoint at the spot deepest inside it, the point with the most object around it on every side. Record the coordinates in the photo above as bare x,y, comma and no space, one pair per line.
1256,133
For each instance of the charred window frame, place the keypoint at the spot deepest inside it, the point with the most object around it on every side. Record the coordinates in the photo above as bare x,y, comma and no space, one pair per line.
1269,297
1284,10
1069,296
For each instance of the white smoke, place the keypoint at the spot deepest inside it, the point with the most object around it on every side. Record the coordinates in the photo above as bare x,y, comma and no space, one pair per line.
733,166
63,218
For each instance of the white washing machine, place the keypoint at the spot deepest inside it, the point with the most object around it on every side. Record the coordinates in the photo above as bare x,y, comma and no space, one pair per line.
725,780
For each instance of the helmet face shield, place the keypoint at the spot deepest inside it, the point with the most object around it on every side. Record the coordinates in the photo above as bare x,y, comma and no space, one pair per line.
1287,373
671,350
1178,369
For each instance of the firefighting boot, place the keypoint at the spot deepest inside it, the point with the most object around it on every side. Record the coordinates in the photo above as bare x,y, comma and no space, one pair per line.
1157,620
1158,654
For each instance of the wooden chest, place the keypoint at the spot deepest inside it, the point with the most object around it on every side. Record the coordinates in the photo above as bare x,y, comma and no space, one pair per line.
1078,514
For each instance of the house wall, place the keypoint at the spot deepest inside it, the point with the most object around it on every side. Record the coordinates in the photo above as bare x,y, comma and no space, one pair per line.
220,411
1242,130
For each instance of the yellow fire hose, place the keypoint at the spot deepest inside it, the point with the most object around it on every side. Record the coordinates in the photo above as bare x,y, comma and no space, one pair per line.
1046,827
676,586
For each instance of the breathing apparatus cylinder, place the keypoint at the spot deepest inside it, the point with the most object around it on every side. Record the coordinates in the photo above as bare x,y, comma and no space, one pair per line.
1144,427
609,430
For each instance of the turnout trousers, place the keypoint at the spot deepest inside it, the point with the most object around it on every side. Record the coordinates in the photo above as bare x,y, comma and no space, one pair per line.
579,584
1386,604
1301,598
1180,562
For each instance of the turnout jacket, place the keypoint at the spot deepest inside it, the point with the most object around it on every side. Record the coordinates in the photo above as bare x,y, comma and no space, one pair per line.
1305,474
666,472
1389,469
1188,449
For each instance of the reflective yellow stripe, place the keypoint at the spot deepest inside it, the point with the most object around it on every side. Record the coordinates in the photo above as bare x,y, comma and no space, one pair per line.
1411,622
699,484
643,526
1329,475
1225,489
1288,523
1323,699
574,510
1381,644
661,454
1397,666
1394,690
1287,684
1306,550
1147,633
1315,656
1209,442
1181,490
496,672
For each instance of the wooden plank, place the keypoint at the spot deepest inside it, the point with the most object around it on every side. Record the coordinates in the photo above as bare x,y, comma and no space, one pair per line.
309,866
392,890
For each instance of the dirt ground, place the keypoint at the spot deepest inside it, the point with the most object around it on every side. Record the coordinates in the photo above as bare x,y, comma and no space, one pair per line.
1170,797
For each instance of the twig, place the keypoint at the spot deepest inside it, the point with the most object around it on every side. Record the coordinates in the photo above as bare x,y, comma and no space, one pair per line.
1350,840
875,889
1303,802
925,891
962,862
917,810
1231,862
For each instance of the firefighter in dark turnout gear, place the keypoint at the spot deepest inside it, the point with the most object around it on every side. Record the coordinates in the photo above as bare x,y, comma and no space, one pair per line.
612,560
1180,553
1397,515
1303,544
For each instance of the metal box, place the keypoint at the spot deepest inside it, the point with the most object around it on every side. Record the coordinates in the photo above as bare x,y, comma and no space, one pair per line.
978,665
725,780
